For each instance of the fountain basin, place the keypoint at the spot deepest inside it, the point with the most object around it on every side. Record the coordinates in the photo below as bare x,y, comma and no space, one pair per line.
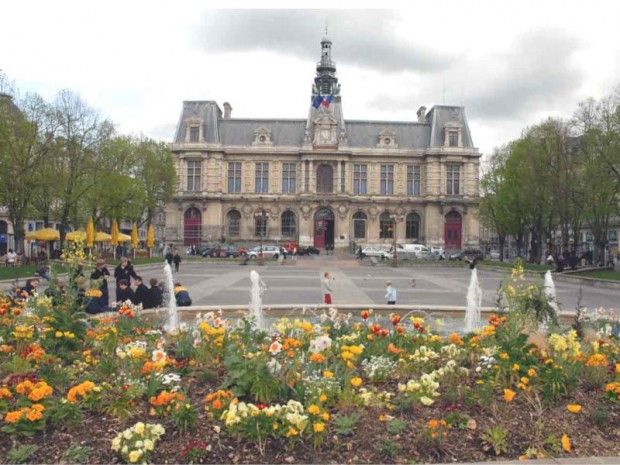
276,311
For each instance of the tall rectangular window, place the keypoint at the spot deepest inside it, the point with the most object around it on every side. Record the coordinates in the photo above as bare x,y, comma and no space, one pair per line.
413,179
194,133
360,179
453,179
193,175
387,179
234,176
453,138
289,178
262,177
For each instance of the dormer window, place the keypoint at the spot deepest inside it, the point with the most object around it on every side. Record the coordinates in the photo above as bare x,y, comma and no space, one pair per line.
262,136
453,134
194,134
193,130
387,139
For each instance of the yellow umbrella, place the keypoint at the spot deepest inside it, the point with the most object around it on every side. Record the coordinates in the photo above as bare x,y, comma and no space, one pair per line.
76,236
123,237
45,234
90,233
114,233
102,237
150,237
134,236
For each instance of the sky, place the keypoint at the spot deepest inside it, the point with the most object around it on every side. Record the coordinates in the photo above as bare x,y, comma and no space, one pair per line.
510,64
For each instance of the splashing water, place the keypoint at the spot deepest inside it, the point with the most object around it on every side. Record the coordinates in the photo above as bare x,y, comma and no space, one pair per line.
551,298
256,302
172,318
474,302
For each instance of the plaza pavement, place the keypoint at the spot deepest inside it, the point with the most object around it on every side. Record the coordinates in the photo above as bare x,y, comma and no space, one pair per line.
299,284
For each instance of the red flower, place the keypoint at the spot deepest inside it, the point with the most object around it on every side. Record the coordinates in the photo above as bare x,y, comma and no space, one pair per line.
396,319
365,314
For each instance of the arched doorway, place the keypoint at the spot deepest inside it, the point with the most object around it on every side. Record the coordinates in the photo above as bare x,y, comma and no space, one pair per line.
323,228
192,226
233,223
453,230
325,179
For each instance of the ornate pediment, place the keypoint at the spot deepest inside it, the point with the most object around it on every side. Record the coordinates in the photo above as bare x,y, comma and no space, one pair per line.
387,139
325,128
262,136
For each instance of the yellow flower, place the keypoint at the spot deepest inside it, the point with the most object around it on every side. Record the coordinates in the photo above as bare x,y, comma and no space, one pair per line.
323,397
134,455
355,382
504,356
515,367
319,427
328,374
574,408
325,416
291,432
314,410
509,394
58,334
566,443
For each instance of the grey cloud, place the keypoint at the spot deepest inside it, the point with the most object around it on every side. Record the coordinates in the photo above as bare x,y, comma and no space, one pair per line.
539,72
363,38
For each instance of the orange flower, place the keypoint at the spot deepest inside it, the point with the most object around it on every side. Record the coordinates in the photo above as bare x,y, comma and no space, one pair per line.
317,358
365,314
597,360
455,338
566,443
396,319
392,348
509,394
574,408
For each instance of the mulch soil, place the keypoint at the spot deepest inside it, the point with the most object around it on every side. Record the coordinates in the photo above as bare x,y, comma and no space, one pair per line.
595,431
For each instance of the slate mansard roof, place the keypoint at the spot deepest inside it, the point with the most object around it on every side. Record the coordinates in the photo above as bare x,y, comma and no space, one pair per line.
290,132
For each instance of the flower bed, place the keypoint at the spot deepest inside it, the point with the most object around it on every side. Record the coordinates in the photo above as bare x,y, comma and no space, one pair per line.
118,389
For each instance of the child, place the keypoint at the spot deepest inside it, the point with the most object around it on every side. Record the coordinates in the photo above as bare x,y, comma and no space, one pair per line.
326,288
182,295
390,294
124,292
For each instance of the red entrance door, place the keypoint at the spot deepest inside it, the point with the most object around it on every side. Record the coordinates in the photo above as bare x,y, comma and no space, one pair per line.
452,231
319,233
323,228
192,227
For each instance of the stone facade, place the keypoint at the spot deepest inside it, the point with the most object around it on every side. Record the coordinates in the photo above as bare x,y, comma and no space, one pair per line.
324,180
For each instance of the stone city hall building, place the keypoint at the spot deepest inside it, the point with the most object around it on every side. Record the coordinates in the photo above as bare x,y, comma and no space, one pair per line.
324,180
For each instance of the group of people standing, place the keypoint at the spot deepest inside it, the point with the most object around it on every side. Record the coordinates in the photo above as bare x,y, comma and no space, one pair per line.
149,297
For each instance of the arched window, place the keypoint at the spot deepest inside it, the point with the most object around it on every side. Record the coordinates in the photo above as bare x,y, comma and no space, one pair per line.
261,218
288,223
386,226
412,226
233,221
192,226
325,179
359,225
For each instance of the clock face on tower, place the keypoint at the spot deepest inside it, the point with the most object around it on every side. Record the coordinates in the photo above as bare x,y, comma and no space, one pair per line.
387,141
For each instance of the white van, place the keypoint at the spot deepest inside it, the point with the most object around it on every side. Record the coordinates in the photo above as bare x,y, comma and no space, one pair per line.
418,250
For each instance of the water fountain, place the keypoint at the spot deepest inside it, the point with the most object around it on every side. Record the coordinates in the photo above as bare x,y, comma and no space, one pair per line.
474,302
551,298
256,302
170,301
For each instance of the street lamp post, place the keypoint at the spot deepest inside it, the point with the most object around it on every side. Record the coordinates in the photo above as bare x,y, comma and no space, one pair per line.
395,220
261,216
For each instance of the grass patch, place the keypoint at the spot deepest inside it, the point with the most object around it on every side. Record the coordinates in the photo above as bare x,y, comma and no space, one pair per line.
599,274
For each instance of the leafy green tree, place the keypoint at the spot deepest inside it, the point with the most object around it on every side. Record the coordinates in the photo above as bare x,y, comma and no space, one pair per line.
26,136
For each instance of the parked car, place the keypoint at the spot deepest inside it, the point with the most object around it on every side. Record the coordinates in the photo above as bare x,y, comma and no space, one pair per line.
467,254
269,251
205,250
309,250
401,254
227,251
371,251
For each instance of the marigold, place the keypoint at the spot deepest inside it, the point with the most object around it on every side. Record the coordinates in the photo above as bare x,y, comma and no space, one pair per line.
318,427
355,382
574,408
597,360
509,394
5,393
317,358
314,409
566,443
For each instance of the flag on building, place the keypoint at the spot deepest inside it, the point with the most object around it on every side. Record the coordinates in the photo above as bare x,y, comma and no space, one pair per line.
316,103
328,100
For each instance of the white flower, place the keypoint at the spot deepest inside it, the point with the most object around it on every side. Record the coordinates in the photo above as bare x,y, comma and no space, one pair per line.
127,434
148,445
275,348
426,401
139,428
158,355
116,443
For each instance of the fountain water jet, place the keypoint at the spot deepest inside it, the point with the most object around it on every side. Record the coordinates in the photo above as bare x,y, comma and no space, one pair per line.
256,302
551,298
474,302
172,313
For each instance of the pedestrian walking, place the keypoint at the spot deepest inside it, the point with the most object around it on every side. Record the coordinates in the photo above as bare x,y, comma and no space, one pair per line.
326,288
390,293
177,260
169,256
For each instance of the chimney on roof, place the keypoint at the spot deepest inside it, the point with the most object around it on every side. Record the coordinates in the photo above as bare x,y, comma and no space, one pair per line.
227,110
421,115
